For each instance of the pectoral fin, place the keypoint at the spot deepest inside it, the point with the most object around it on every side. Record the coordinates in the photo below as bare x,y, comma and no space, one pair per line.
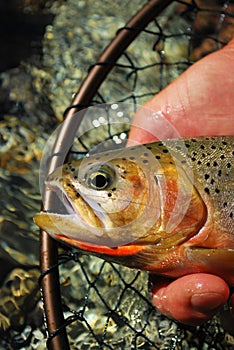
215,261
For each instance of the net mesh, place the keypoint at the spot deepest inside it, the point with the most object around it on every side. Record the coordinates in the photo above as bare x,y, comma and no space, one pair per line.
107,306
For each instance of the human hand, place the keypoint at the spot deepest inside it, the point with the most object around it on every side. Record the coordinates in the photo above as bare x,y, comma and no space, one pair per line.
199,102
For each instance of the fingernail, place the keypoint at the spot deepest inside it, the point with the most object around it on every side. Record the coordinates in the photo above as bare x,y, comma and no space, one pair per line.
207,301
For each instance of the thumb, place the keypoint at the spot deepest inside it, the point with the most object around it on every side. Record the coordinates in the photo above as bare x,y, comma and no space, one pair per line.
199,102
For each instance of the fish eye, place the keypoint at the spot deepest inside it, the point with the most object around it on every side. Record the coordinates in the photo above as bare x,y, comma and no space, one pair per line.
100,179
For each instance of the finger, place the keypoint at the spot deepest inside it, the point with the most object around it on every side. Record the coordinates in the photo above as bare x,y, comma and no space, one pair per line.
191,299
199,102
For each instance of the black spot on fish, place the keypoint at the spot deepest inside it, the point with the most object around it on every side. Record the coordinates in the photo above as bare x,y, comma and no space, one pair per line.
193,140
145,161
123,158
222,156
219,173
212,181
231,215
75,177
217,190
187,145
77,195
199,162
109,194
157,157
206,189
225,204
207,176
224,143
113,189
202,147
165,150
208,164
228,165
149,147
213,147
132,158
215,163
193,159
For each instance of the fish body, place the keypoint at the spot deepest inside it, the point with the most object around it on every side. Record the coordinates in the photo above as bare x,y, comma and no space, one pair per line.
165,207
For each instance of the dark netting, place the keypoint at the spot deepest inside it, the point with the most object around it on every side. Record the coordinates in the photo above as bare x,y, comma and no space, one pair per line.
106,306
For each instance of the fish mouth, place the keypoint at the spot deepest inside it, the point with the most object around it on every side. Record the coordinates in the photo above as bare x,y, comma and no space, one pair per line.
64,222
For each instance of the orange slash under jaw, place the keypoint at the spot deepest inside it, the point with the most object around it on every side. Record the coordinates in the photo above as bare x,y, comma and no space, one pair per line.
118,251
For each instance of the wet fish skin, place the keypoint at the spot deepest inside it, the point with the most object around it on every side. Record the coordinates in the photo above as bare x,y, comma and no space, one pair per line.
199,169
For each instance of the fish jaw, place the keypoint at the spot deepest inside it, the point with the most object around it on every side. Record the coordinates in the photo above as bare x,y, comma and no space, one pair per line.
71,224
55,224
52,223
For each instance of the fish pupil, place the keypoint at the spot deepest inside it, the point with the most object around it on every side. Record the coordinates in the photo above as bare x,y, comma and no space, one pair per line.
99,180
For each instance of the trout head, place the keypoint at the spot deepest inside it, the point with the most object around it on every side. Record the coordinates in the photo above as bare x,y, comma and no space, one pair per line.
135,206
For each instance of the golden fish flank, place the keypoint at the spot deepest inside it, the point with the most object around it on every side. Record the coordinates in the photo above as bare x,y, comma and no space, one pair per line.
163,207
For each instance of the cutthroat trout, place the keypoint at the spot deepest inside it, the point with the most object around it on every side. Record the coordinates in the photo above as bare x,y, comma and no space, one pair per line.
165,207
